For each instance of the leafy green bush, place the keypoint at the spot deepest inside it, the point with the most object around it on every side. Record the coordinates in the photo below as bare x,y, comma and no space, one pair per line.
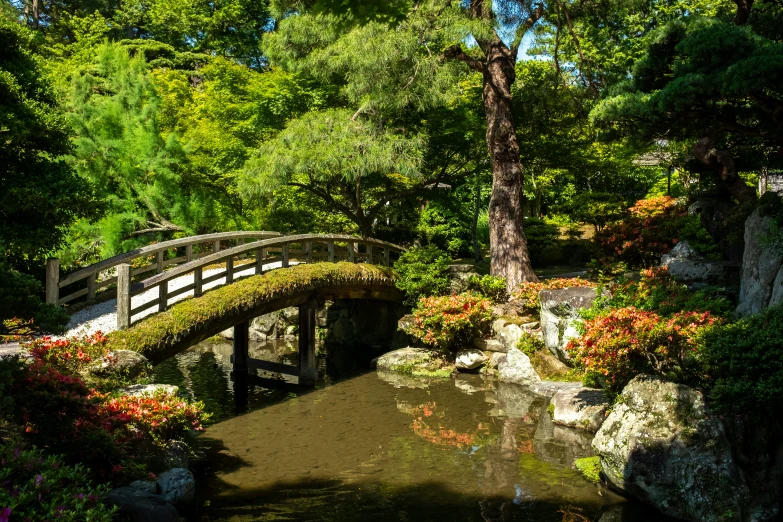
37,488
656,291
423,272
19,298
743,364
489,286
540,235
596,208
451,321
530,344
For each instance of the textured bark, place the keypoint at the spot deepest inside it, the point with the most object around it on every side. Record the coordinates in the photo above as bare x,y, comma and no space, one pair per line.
508,245
723,163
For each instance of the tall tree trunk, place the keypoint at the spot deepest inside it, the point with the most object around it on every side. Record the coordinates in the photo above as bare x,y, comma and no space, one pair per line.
476,210
723,163
508,246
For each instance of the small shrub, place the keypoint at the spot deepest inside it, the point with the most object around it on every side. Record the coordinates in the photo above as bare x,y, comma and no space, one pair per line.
596,208
528,292
68,355
743,364
626,342
37,488
590,468
20,304
539,235
451,321
489,286
657,291
422,272
530,344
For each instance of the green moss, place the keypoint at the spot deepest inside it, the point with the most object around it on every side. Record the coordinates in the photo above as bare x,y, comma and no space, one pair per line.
590,467
551,409
441,373
154,336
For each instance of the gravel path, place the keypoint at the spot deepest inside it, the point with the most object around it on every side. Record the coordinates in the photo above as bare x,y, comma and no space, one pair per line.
103,316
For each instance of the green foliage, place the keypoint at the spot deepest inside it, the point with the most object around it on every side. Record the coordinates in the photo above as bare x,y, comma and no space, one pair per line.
19,298
148,337
590,468
41,196
451,322
596,208
743,365
528,292
423,271
39,487
530,344
656,291
541,237
489,286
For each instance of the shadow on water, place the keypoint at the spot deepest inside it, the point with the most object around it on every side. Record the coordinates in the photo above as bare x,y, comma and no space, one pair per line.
376,446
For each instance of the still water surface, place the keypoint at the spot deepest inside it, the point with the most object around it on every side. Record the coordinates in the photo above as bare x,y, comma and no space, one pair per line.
369,446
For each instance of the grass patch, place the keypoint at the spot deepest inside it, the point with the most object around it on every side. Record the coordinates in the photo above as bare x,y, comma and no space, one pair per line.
155,336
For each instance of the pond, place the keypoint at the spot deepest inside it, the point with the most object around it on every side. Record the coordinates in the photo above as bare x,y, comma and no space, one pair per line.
370,446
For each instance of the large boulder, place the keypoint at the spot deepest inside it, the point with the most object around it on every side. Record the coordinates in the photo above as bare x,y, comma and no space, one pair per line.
403,360
660,445
508,333
489,345
761,276
141,506
120,363
560,316
583,408
177,486
459,275
516,368
263,326
686,266
470,359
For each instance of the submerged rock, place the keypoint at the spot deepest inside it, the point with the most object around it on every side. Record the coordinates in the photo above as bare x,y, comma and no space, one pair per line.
138,390
470,359
660,445
141,506
517,368
560,316
583,408
177,486
549,388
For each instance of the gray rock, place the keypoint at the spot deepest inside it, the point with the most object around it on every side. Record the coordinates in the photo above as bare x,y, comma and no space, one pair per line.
176,455
126,363
265,324
290,315
560,316
495,359
405,323
227,334
148,486
549,388
516,368
404,359
141,506
470,359
686,266
342,331
583,408
660,445
761,266
138,390
177,486
459,275
506,333
489,345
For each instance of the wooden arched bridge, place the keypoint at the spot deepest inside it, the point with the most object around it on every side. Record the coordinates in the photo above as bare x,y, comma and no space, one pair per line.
232,279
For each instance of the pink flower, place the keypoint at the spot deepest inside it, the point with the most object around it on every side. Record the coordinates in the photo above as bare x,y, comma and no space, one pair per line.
4,514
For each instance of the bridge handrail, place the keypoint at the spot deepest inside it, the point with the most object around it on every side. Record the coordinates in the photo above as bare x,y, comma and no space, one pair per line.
54,283
126,289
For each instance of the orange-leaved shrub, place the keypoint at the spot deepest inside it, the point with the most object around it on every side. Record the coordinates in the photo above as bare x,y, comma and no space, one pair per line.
627,342
528,292
451,321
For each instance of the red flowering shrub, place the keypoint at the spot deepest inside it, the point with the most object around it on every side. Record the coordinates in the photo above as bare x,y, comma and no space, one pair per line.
451,321
68,355
627,341
528,292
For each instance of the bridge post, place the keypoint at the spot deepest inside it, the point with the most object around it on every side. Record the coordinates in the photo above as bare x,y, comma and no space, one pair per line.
52,280
92,286
330,245
308,248
308,372
386,256
369,254
284,254
239,373
229,270
197,287
259,261
351,251
159,262
123,296
188,253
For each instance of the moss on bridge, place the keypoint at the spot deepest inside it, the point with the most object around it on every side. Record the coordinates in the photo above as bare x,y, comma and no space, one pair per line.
194,319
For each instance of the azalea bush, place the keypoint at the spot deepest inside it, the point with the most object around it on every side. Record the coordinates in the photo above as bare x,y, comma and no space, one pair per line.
35,487
528,292
68,355
657,291
627,342
451,321
651,228
489,286
423,271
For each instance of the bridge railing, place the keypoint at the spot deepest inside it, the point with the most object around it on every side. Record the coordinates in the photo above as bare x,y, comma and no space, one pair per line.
194,247
243,261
